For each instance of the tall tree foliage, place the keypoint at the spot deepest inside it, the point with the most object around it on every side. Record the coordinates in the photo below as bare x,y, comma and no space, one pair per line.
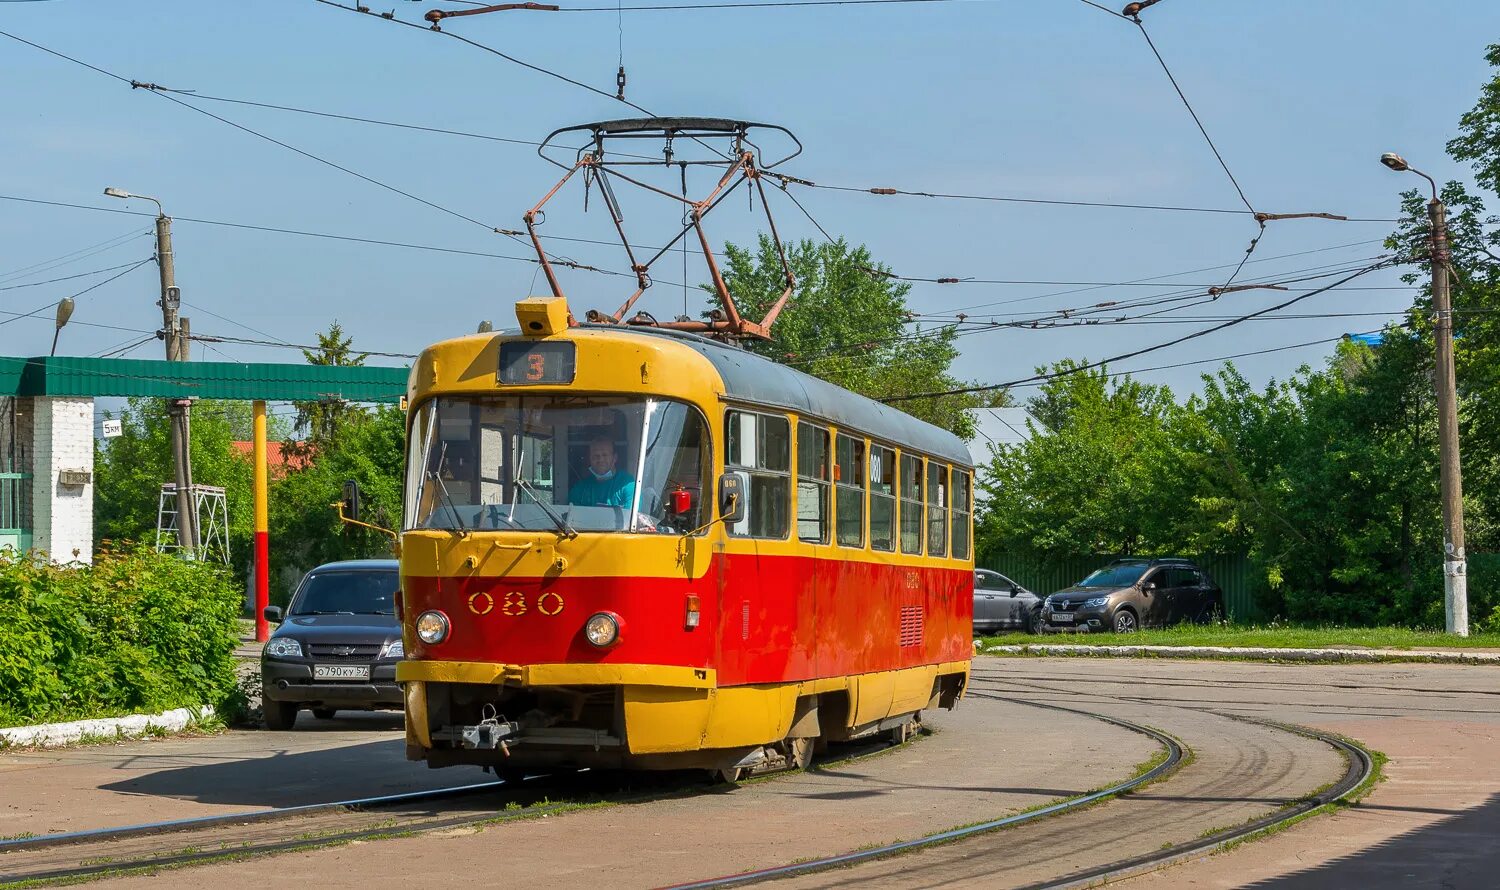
1328,479
849,324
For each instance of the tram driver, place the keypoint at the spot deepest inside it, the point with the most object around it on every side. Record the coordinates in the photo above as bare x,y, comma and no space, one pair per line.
603,484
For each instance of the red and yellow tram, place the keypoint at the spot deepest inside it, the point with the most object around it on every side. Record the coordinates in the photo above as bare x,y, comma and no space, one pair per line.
632,547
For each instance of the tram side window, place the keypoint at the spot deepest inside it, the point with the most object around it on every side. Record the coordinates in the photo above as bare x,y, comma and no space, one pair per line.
882,498
813,483
758,449
849,480
911,503
962,501
937,509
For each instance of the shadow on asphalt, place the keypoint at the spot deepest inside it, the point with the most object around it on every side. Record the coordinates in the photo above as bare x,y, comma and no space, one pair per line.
291,772
1458,853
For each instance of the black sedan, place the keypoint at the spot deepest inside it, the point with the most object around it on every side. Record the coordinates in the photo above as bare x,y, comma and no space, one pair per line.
338,647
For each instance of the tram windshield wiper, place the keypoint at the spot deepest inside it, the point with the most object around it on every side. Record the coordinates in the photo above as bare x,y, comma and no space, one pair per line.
563,527
448,500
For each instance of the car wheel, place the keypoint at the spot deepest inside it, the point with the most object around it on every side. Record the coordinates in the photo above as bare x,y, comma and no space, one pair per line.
1125,622
280,715
1034,622
324,713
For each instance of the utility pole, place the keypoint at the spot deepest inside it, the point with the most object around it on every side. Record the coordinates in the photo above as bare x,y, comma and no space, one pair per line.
175,333
1455,562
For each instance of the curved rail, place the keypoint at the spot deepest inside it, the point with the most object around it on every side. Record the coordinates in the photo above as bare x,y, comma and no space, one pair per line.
1174,759
97,835
1359,767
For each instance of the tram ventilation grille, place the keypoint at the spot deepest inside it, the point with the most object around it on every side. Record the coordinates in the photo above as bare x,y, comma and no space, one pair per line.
911,625
745,620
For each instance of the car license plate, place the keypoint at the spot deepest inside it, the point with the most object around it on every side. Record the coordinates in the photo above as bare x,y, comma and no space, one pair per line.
341,672
1061,618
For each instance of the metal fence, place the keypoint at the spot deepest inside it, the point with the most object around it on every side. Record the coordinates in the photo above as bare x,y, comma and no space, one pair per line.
1047,574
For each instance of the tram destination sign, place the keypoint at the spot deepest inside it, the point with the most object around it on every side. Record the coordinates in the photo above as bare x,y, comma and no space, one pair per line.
534,362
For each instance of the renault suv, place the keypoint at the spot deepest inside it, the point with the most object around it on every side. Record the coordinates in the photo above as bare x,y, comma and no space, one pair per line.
338,645
1129,594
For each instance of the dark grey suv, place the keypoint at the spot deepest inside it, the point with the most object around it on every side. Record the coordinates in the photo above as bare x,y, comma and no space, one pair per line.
1129,594
338,645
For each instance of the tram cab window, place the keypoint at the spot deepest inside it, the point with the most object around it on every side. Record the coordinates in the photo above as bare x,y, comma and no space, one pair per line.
849,483
814,481
566,463
963,500
758,448
937,509
882,498
911,504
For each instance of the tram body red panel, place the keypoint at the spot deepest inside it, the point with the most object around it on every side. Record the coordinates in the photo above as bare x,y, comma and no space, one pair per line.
772,619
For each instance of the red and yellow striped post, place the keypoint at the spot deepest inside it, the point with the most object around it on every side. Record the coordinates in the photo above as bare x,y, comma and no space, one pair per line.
262,541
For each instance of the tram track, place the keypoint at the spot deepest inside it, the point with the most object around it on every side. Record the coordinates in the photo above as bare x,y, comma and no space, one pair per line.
1358,770
147,847
178,842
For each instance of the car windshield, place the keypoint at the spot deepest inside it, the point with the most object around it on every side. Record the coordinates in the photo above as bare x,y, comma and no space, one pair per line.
348,593
1115,576
565,463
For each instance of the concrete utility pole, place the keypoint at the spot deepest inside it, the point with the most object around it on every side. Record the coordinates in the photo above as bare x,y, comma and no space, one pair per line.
175,333
1455,563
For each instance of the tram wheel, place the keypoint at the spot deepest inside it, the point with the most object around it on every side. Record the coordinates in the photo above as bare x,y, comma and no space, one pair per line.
324,713
902,734
799,752
728,776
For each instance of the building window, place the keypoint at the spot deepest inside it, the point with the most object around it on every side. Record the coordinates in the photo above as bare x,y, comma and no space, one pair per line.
882,498
962,507
757,448
849,480
814,480
911,504
937,509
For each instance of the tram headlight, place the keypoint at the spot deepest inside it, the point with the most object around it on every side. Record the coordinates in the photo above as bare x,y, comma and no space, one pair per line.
602,629
432,627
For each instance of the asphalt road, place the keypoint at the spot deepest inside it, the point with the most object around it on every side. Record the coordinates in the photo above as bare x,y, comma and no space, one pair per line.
1431,824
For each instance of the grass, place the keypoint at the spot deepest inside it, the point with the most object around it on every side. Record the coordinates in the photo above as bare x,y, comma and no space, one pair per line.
1269,636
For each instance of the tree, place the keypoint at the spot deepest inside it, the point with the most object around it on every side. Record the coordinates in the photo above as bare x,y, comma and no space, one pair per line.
131,468
318,421
847,322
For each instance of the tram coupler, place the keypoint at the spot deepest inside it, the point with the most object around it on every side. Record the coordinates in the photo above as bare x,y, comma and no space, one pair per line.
487,736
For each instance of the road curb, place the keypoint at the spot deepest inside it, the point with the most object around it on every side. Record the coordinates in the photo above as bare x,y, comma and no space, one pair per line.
1256,653
51,735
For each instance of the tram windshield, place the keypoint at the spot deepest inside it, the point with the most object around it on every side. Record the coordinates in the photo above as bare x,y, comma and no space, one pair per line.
565,463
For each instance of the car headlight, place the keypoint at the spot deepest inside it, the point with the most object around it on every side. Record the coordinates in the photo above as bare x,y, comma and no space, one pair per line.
283,647
393,649
1095,602
602,629
432,627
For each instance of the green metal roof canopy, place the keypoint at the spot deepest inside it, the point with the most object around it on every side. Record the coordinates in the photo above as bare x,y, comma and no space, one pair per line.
70,376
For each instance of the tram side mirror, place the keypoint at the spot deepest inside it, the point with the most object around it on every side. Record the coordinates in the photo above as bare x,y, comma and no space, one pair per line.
351,500
273,613
731,498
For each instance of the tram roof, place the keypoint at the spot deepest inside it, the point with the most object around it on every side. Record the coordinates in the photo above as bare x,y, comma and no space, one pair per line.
752,378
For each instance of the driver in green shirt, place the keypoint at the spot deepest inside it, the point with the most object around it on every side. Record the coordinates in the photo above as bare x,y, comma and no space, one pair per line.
603,485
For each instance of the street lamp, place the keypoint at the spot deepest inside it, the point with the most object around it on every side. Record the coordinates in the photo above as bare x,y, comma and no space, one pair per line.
64,312
121,193
1455,563
173,329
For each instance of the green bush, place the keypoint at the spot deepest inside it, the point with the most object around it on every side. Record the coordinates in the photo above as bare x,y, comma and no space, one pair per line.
137,631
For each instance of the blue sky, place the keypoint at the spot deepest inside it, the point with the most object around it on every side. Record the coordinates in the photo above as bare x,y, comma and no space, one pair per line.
1028,98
